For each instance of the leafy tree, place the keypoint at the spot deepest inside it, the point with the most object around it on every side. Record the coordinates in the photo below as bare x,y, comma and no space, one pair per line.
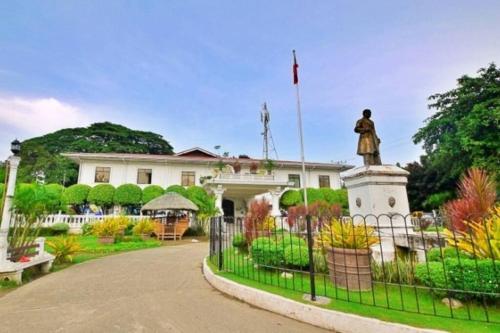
55,191
291,198
463,133
151,192
76,195
102,195
43,153
128,195
177,189
33,201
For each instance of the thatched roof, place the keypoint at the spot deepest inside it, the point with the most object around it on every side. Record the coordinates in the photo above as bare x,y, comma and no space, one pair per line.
170,201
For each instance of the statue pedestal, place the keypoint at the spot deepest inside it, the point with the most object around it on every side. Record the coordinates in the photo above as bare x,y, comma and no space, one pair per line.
377,196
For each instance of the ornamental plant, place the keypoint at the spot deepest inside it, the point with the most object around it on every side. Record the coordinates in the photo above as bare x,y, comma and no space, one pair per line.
481,240
291,198
348,235
128,195
64,248
102,195
109,227
177,189
257,219
143,227
477,195
76,194
151,192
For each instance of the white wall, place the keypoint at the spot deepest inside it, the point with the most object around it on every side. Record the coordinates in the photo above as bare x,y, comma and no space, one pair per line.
166,174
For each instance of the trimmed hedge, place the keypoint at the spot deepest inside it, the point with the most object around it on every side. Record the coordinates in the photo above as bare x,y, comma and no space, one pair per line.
240,242
60,229
335,197
151,192
291,198
128,195
177,189
289,250
102,195
76,194
313,195
438,254
465,275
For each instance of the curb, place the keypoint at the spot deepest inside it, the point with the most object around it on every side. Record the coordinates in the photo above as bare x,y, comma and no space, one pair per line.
328,319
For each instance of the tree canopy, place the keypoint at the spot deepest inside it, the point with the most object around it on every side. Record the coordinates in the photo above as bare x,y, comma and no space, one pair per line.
128,195
151,192
43,153
102,195
462,133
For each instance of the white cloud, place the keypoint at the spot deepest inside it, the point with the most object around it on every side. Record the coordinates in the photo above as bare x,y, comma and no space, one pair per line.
38,116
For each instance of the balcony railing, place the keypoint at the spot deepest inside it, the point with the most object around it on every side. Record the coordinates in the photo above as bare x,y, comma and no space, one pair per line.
245,177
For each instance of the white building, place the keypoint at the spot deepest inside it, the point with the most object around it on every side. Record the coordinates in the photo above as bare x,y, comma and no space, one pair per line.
196,166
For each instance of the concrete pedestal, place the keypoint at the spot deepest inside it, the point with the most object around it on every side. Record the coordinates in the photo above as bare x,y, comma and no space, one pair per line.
377,195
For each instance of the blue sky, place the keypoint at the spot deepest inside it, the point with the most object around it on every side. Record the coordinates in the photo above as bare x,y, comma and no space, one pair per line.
197,72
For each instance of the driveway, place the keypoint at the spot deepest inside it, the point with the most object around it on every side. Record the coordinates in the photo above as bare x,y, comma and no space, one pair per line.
156,290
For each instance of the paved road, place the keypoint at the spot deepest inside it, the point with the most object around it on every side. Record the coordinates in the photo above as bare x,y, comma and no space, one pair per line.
157,290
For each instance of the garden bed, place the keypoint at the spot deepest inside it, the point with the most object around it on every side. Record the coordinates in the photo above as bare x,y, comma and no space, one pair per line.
386,302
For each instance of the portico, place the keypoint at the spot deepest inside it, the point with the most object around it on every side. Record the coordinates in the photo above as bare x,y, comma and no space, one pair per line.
242,188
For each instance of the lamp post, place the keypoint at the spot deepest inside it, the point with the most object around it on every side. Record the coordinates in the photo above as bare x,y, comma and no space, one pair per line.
11,174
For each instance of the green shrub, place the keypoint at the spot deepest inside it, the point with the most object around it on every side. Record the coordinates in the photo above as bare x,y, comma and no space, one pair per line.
438,254
288,240
102,195
296,256
401,271
128,195
265,252
313,195
467,275
240,242
1,190
60,229
87,229
177,189
336,197
151,192
76,194
291,198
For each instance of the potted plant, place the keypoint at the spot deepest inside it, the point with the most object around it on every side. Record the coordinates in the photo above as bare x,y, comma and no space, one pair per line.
107,230
269,166
348,253
144,228
237,167
253,168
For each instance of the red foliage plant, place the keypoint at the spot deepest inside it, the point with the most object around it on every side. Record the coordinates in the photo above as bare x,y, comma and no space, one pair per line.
477,195
320,211
256,215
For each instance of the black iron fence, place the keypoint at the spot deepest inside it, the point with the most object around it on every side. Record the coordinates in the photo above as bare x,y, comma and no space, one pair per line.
395,262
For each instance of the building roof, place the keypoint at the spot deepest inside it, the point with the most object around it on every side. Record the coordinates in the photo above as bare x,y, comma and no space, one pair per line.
170,201
197,152
195,159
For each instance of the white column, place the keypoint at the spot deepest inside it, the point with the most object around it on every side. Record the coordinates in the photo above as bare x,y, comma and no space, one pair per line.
275,201
219,191
6,215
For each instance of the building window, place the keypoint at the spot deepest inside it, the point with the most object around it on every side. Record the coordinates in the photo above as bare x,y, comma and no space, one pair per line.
144,176
324,181
295,179
102,174
187,178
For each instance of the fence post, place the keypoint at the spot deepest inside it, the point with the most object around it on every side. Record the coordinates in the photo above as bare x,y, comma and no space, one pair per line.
221,257
311,258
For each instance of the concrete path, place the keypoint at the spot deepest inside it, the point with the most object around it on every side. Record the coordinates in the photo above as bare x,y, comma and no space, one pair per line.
157,290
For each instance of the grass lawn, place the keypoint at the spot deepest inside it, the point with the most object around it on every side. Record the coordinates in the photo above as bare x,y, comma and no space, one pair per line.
404,304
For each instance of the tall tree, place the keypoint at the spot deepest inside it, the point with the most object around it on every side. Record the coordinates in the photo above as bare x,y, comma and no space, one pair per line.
43,153
462,133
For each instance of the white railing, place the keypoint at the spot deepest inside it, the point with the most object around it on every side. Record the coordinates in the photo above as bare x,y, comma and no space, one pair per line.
240,176
77,221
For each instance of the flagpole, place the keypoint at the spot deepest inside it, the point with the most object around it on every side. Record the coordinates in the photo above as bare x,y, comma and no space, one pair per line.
301,136
312,279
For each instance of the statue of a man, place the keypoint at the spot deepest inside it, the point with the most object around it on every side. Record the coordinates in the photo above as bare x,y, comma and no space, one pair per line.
368,144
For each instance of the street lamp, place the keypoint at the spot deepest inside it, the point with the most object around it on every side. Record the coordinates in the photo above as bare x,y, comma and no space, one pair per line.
15,147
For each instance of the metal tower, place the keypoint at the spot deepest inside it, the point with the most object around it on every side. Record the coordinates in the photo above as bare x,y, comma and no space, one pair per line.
268,144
